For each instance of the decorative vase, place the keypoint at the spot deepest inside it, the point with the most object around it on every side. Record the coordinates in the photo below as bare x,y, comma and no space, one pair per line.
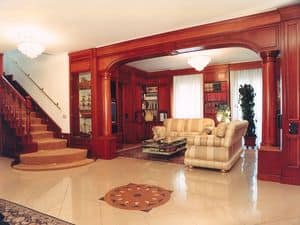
148,116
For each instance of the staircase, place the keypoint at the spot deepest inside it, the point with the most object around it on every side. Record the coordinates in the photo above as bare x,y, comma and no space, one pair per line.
40,150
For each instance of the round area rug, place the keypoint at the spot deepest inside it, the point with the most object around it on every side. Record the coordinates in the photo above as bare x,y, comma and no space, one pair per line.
137,197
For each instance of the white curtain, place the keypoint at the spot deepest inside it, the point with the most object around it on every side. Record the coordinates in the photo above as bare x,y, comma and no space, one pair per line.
188,96
253,77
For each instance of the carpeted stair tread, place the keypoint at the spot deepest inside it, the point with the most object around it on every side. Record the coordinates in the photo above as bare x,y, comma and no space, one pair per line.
32,114
64,155
50,143
60,151
49,140
34,120
38,127
53,166
42,134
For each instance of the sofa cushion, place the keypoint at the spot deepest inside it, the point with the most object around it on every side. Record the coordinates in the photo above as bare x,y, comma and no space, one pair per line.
198,125
174,124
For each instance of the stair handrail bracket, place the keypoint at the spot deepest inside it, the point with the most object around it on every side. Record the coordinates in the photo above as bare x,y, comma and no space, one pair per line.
15,108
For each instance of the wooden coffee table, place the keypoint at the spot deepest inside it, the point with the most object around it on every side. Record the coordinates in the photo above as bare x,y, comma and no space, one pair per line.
166,147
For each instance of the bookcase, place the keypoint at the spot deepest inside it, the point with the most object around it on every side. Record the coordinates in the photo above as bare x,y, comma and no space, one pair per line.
215,90
150,103
81,109
85,115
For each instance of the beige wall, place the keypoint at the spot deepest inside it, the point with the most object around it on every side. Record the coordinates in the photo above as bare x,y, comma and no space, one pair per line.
50,72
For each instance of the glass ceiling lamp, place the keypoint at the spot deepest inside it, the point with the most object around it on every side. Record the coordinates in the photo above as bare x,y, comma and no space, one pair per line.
199,61
31,49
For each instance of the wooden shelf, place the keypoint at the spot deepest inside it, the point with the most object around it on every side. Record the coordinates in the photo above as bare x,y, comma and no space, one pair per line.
215,91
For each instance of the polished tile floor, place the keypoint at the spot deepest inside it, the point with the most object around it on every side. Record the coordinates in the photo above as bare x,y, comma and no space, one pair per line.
200,196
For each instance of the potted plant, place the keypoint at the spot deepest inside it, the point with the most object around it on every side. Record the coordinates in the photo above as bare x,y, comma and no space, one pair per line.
246,100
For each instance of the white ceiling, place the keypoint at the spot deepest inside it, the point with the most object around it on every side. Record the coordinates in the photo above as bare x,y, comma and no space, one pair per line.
218,56
70,25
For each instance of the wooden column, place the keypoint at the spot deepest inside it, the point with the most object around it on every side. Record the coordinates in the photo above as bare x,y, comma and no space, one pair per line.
269,98
103,144
105,103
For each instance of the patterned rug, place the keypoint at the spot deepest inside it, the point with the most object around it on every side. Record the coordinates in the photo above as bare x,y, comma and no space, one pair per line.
16,214
137,153
141,197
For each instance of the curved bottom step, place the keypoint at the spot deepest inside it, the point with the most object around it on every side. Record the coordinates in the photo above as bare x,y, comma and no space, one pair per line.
53,166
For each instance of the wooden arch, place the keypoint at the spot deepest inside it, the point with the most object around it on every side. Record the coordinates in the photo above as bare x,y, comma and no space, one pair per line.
259,33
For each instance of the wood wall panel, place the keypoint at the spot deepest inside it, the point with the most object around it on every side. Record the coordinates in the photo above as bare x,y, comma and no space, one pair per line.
245,66
164,98
293,56
293,145
80,66
198,32
269,165
291,97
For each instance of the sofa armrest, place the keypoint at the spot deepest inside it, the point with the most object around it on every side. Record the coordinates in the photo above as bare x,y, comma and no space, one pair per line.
235,132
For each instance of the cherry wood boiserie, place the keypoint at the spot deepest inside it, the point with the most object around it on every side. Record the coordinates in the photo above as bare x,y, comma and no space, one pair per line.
266,33
290,172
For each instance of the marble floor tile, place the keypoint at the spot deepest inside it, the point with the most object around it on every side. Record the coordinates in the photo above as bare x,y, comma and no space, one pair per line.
199,196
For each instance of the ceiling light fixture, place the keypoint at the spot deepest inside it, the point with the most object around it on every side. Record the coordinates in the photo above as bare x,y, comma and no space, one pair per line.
186,50
29,40
31,49
199,61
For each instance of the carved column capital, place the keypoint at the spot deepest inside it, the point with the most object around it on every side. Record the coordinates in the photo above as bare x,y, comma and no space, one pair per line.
105,75
269,56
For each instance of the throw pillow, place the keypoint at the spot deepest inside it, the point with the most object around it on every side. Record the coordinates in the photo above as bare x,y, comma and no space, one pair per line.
221,130
207,130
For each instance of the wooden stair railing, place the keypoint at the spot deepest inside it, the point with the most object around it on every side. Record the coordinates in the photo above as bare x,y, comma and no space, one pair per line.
15,109
52,125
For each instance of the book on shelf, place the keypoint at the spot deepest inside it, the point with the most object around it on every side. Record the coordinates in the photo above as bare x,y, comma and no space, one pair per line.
218,96
150,96
216,87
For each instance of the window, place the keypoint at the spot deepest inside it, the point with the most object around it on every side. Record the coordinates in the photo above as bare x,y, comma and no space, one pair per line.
188,96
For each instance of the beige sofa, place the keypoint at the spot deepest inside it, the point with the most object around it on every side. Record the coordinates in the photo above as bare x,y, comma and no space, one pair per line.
217,151
207,146
188,128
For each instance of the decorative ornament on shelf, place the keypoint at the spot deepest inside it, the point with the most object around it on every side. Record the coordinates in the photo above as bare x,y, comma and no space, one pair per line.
148,116
199,61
